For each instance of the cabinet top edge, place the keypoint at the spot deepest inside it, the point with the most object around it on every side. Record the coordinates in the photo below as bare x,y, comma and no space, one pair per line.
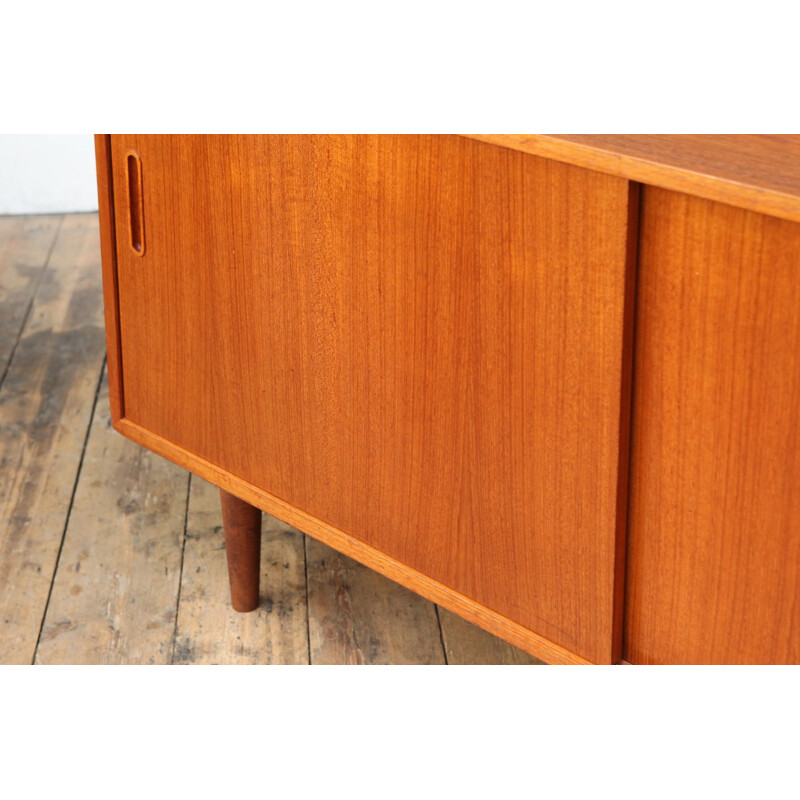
757,172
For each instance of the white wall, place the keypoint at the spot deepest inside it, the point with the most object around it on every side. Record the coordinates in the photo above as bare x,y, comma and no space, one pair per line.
47,173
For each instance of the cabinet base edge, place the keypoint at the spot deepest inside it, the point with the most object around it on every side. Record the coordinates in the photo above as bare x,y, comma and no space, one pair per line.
496,624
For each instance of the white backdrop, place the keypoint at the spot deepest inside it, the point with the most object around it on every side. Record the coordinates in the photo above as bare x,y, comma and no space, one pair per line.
47,173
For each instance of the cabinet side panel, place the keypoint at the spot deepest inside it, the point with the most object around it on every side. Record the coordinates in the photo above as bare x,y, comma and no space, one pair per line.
108,252
714,528
417,340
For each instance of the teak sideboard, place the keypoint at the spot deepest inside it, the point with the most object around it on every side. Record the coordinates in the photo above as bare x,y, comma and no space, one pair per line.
549,382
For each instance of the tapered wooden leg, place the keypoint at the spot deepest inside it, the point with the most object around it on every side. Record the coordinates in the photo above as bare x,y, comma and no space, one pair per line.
243,545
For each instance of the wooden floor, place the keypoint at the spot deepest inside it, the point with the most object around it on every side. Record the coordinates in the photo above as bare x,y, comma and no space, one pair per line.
112,555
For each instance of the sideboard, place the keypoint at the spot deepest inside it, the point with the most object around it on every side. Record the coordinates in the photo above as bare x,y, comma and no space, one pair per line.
550,382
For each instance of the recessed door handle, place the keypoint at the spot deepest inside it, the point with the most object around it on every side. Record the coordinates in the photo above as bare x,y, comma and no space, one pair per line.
135,203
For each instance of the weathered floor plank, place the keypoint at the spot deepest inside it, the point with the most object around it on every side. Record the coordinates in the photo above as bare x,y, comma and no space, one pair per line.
359,617
466,643
209,630
46,403
115,591
25,245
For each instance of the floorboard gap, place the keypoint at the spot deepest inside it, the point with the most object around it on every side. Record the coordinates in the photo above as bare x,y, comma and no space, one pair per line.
180,571
441,634
69,508
308,611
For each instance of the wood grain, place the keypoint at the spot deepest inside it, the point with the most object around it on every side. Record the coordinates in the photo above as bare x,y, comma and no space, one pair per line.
426,333
357,616
115,593
714,569
759,172
209,630
46,403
